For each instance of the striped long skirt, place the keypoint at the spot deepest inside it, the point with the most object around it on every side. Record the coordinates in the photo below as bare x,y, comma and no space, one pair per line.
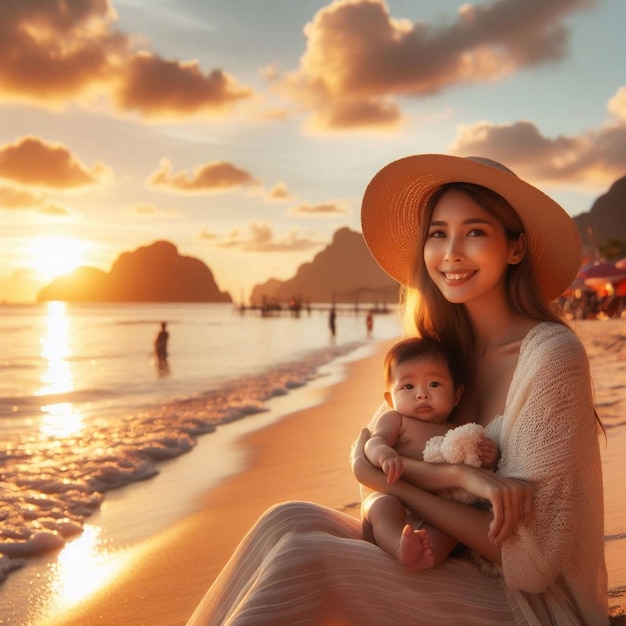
302,563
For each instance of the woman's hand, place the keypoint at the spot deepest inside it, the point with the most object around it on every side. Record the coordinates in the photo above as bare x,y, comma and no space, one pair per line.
511,500
366,473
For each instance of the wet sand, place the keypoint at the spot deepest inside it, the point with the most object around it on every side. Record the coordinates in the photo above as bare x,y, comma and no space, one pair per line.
305,456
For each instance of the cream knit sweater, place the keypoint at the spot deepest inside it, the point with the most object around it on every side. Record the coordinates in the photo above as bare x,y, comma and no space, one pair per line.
548,436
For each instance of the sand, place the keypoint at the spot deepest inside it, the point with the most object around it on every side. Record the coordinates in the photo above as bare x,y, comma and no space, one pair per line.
302,456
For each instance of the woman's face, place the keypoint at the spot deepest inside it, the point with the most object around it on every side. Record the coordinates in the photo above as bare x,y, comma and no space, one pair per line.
466,252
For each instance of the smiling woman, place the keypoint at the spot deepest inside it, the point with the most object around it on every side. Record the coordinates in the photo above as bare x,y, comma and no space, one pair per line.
55,256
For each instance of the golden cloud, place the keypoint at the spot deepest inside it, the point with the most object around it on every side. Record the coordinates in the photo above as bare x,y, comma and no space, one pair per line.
217,176
327,209
32,162
169,89
279,193
18,199
358,56
13,199
594,158
56,52
617,105
261,238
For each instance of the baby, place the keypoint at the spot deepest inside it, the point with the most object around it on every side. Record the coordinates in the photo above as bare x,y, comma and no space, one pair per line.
423,386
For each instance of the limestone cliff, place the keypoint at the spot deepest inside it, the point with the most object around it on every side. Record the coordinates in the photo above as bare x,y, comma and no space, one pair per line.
154,273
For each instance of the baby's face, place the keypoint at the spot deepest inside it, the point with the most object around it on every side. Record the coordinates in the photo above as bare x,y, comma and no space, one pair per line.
423,389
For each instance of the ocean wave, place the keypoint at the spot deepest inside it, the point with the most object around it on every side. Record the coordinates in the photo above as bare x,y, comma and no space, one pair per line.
51,484
15,404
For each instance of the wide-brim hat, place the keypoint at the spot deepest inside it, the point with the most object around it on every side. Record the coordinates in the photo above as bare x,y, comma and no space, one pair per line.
394,201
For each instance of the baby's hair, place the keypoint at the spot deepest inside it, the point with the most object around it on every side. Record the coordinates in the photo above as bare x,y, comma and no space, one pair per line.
416,349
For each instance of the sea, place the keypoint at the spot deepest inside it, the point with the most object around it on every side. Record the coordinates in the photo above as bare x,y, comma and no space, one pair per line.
86,408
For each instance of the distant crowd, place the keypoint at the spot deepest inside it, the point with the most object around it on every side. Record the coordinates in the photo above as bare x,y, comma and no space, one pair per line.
589,305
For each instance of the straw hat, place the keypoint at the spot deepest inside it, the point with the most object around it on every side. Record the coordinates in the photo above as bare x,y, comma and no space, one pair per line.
394,201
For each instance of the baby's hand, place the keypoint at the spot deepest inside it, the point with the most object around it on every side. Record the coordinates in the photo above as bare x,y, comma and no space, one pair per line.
393,468
488,453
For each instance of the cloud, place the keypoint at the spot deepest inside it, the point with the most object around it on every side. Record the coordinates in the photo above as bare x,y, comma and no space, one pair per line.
371,113
12,199
592,159
56,52
261,238
327,209
207,235
54,209
617,105
218,176
279,193
169,89
358,57
17,199
32,162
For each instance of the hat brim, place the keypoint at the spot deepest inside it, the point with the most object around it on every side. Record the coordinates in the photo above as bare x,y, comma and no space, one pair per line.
393,203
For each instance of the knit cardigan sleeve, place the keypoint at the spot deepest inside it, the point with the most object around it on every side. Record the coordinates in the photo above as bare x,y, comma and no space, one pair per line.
549,437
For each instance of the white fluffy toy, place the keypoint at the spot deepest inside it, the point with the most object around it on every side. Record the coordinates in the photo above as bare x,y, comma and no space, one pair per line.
459,445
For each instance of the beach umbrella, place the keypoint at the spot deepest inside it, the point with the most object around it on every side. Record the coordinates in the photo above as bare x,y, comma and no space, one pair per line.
603,276
604,270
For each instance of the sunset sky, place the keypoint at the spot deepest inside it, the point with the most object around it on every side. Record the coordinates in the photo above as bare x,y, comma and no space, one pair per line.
245,131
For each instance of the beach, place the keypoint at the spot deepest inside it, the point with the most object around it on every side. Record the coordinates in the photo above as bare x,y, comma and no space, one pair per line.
159,578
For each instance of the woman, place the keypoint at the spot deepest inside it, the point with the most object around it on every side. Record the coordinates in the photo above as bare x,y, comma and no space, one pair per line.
482,255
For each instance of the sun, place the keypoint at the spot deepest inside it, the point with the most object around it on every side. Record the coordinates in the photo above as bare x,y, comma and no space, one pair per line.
51,257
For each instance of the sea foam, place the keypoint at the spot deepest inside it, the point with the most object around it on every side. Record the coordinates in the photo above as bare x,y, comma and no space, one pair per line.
52,484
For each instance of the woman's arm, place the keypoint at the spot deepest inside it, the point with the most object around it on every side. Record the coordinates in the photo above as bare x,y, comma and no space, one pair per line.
464,523
480,530
511,500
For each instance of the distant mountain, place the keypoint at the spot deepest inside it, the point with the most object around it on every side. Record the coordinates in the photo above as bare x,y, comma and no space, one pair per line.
607,217
154,273
343,272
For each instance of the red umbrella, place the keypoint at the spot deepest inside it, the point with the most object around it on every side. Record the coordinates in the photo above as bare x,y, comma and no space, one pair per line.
604,270
602,276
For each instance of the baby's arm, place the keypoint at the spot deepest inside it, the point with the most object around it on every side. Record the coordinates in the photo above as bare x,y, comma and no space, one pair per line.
379,447
488,453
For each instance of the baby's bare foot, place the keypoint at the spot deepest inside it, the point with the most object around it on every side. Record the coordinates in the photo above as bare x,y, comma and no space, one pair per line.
416,549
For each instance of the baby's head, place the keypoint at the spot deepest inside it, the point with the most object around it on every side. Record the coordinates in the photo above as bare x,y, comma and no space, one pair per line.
422,380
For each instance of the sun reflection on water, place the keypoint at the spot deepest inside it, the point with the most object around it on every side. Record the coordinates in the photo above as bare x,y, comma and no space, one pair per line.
83,567
55,349
60,418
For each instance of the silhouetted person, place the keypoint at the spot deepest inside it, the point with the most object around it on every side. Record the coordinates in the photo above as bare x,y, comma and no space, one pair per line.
160,345
369,323
332,316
